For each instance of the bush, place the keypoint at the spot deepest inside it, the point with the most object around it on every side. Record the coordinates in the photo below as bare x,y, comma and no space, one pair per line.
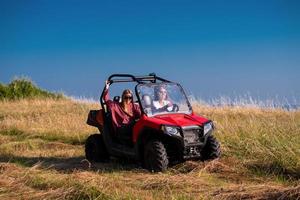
24,88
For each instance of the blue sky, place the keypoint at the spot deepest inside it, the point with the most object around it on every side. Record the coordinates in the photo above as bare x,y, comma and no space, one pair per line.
214,48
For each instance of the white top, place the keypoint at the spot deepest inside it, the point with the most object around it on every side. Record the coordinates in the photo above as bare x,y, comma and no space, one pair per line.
157,105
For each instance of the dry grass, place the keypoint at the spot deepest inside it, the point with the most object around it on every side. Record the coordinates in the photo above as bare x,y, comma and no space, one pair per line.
264,139
42,157
53,120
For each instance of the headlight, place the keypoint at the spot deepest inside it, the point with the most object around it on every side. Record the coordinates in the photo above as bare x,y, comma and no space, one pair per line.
208,127
171,130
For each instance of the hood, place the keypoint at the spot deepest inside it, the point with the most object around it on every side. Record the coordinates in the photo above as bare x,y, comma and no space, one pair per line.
181,119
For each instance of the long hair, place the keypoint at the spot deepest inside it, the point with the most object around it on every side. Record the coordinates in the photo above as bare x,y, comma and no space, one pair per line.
127,91
156,92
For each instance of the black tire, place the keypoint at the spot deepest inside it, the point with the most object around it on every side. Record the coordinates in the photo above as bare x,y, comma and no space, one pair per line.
155,156
211,150
95,149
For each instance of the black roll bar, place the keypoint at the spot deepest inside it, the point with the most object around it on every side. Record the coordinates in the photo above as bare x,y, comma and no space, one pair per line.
122,78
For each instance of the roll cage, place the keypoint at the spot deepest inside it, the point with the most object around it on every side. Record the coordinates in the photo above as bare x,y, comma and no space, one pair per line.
125,78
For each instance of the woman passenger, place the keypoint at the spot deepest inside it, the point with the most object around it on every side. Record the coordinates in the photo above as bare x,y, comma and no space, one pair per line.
123,113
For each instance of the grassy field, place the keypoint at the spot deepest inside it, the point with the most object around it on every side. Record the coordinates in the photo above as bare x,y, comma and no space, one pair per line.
42,157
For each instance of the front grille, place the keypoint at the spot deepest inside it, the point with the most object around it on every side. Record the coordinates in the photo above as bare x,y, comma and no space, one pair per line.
192,135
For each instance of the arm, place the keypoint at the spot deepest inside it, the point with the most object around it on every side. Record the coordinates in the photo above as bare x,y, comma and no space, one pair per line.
162,109
106,95
137,111
165,108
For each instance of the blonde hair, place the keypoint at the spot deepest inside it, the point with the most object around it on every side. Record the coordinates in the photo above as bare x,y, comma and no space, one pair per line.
127,91
156,92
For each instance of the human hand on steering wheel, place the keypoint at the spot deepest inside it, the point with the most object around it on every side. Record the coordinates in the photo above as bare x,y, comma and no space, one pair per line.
175,108
172,107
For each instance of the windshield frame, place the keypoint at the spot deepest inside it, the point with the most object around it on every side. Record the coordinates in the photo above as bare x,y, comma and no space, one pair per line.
163,113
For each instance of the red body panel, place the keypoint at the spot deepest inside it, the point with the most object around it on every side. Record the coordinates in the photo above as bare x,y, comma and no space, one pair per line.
155,122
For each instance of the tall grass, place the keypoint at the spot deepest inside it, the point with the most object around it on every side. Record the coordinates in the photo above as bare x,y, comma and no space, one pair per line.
263,139
249,101
62,120
266,140
42,154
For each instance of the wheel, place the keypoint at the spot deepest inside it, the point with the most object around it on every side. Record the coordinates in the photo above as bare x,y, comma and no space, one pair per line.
155,156
211,150
95,149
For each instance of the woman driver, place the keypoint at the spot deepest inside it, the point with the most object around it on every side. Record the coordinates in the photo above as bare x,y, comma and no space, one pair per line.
161,102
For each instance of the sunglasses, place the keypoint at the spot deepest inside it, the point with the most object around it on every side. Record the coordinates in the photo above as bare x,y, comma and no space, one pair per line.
127,97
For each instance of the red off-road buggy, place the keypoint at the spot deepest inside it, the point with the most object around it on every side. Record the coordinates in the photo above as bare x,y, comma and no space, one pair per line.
158,138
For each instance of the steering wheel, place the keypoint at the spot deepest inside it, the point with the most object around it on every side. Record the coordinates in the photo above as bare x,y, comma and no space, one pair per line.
175,108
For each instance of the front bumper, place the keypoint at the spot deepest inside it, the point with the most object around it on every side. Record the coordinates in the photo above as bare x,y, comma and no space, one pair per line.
188,144
194,141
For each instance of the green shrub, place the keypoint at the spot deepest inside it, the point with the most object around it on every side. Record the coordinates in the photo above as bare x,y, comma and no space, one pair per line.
3,91
21,88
